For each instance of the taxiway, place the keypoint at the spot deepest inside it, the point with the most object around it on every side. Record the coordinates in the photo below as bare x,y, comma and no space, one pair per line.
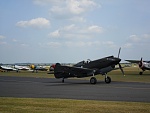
28,87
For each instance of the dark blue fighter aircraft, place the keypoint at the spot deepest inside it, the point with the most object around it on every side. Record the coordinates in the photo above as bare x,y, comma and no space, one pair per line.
89,68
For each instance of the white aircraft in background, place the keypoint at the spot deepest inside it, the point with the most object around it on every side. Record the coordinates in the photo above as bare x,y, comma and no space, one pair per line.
7,68
144,65
17,67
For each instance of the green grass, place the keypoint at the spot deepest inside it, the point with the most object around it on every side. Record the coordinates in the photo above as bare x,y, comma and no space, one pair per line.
40,74
35,105
132,75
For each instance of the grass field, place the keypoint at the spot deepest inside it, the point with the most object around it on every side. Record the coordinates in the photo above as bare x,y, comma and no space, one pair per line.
47,105
36,105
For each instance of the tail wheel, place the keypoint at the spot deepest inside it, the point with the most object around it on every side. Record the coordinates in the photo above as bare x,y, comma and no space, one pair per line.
93,80
140,73
108,80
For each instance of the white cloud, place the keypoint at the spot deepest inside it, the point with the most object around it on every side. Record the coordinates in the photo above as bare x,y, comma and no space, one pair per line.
24,45
75,31
137,40
54,34
72,10
82,43
3,43
14,40
2,37
109,43
77,19
127,45
95,28
37,23
69,27
54,44
71,6
134,38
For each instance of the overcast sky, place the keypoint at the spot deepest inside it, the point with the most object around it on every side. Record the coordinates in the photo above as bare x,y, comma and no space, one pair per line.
68,31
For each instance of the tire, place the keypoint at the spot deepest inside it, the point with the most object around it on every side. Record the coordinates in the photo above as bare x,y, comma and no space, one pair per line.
108,80
140,73
63,80
93,80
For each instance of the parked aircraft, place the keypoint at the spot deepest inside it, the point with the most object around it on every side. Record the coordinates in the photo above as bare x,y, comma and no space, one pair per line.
7,68
17,67
36,68
144,65
89,68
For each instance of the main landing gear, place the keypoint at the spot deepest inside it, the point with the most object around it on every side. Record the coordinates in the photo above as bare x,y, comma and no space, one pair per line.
107,79
93,80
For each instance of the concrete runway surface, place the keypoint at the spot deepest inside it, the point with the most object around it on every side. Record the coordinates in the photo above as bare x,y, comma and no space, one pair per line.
73,89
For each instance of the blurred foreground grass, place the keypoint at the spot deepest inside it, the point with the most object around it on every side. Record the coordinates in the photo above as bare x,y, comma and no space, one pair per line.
35,105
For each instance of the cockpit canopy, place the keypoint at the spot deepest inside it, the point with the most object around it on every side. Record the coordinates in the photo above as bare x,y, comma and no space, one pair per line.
82,63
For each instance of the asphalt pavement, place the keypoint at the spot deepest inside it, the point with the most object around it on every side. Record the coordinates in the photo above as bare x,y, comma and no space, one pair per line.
27,87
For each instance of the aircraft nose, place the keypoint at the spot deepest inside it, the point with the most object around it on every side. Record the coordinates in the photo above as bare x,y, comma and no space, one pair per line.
117,60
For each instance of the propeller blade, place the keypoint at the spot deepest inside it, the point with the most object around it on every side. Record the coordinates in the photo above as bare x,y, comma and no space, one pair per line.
119,52
141,63
141,59
121,69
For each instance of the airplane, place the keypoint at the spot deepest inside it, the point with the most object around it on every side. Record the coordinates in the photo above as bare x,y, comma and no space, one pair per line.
7,68
35,68
18,67
89,68
144,65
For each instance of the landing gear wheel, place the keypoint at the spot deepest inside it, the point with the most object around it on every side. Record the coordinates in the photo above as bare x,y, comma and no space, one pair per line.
63,80
140,73
93,80
108,80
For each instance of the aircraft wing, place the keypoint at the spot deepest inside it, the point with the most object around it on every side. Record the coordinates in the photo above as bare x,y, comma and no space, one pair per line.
67,71
133,61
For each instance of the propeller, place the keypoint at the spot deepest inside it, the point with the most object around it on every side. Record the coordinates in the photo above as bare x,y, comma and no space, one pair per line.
119,52
119,63
141,63
121,69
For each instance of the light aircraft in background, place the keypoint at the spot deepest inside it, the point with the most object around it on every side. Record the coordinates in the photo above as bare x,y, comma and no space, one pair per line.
37,68
89,68
18,67
144,65
7,68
